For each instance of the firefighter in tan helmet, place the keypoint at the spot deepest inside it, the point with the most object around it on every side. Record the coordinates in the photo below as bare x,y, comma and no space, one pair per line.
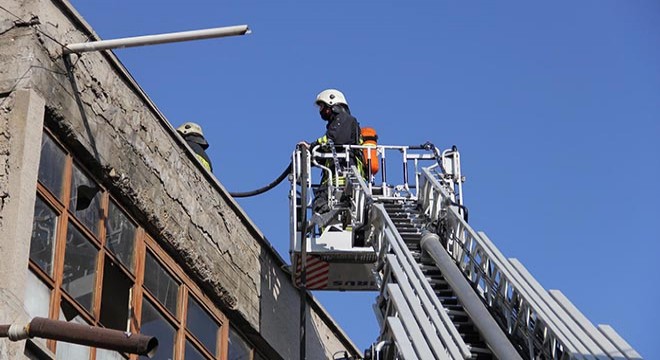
192,133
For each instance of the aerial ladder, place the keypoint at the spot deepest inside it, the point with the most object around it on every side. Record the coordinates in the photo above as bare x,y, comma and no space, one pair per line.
444,289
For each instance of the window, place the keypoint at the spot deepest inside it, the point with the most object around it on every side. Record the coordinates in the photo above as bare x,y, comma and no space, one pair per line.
68,351
116,292
238,348
44,226
192,353
202,325
160,283
51,165
92,263
79,272
85,200
120,236
38,302
155,324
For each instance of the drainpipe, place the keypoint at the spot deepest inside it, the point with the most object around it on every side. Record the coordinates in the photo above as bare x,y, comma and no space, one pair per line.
82,335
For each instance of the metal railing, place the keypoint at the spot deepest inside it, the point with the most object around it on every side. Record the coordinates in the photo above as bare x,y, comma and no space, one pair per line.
533,320
413,322
429,317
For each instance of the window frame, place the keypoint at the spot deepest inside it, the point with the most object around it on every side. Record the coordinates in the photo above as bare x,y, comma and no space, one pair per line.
143,243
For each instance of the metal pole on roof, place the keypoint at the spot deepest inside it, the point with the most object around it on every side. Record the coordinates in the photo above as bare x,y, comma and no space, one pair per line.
156,39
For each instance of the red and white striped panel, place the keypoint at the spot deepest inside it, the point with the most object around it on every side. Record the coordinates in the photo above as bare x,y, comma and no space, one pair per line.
317,272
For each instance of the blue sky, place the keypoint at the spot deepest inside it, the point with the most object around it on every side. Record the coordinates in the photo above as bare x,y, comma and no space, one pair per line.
555,108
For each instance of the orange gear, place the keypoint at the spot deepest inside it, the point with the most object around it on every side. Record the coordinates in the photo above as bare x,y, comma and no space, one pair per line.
370,138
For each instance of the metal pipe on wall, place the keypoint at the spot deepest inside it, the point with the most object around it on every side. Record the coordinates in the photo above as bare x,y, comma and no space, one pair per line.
156,39
82,334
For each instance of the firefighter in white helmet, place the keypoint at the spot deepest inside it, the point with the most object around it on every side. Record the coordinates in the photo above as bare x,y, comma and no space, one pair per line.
192,133
342,128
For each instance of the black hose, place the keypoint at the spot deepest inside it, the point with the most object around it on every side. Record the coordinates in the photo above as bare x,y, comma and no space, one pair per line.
465,210
265,188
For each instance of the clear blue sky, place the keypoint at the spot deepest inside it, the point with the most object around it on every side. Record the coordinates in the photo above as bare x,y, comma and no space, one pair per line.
555,108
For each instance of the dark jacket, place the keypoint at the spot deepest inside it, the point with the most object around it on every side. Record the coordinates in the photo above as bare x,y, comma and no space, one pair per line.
342,129
198,145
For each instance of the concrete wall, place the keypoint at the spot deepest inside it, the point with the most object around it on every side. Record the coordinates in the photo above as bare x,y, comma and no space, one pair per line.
21,117
100,113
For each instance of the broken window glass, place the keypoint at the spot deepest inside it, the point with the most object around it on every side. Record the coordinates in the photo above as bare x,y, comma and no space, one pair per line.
44,226
160,283
155,324
79,273
85,200
51,165
115,297
202,325
120,236
68,351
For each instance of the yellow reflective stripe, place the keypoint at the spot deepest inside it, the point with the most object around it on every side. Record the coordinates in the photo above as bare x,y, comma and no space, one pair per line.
340,181
204,162
322,140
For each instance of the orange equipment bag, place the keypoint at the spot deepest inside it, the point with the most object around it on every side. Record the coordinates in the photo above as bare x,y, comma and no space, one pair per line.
370,138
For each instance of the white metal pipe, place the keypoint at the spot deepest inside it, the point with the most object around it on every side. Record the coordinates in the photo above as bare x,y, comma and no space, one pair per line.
157,39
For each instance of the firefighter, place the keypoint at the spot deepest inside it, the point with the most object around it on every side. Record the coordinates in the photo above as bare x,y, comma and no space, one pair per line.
342,128
194,137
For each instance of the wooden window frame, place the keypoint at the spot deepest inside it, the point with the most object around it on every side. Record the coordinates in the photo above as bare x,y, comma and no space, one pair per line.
143,243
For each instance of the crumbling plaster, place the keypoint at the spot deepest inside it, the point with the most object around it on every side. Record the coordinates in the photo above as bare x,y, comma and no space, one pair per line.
97,109
107,123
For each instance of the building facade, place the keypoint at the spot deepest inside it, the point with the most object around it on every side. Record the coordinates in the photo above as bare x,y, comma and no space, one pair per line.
108,219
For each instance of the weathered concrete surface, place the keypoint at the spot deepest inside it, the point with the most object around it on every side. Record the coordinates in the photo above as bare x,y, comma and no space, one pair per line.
97,110
23,133
21,120
12,313
280,318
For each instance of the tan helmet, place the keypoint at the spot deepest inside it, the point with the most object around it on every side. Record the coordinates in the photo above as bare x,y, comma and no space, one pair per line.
331,97
190,128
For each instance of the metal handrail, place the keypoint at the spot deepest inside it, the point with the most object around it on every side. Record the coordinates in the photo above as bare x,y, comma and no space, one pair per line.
520,313
390,241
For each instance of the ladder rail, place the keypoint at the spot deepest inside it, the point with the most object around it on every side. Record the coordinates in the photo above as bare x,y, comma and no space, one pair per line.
608,347
404,348
390,240
499,291
572,324
500,284
419,314
401,305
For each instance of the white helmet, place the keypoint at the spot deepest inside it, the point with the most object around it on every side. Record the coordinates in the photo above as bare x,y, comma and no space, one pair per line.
331,97
190,128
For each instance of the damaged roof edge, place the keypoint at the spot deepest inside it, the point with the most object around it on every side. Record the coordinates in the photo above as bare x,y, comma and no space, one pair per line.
76,18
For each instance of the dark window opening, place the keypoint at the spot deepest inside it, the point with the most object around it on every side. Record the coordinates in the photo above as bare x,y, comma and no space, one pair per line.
79,274
115,297
85,200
